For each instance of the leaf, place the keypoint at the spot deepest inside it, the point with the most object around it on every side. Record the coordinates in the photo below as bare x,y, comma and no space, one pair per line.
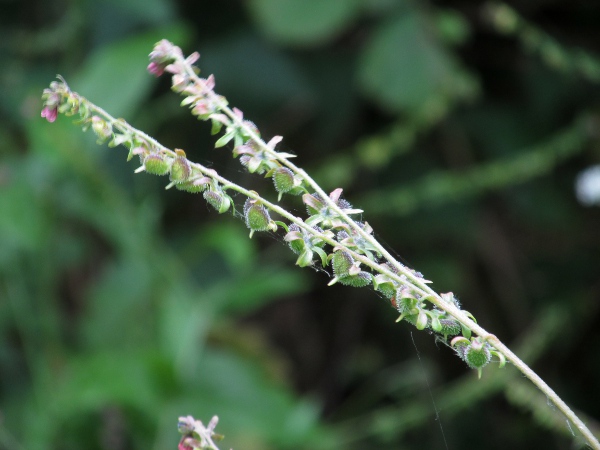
306,22
406,69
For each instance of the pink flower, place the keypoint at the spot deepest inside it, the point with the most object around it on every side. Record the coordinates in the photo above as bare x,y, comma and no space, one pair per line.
50,113
156,69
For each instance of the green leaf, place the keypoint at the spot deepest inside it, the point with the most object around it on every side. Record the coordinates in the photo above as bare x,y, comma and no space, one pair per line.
306,22
405,68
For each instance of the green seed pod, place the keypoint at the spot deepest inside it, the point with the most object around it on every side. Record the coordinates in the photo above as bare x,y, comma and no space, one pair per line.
217,200
283,179
361,280
257,216
450,327
180,169
189,186
156,165
342,262
477,355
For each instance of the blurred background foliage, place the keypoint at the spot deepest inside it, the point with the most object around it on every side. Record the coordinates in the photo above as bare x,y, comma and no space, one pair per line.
459,127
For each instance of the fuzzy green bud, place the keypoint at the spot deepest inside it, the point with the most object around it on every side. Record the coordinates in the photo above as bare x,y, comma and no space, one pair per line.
450,327
256,215
156,164
217,200
180,169
361,280
477,355
342,262
189,186
283,179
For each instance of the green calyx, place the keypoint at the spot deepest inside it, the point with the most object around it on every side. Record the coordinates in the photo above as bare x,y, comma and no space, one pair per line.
477,355
283,179
341,262
180,169
217,200
256,215
362,279
189,186
156,164
449,327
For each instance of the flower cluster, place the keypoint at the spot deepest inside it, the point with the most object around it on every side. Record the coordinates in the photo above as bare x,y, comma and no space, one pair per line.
328,236
196,436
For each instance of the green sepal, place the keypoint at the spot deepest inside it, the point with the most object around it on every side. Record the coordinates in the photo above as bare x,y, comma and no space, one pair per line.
322,254
224,140
216,127
305,259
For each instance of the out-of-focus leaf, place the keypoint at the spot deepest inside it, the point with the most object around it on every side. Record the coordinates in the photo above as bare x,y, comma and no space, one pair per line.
116,75
306,22
452,27
122,301
438,188
154,11
23,224
262,286
405,68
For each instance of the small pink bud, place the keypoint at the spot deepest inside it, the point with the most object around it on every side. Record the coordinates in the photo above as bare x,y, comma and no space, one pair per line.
156,69
50,114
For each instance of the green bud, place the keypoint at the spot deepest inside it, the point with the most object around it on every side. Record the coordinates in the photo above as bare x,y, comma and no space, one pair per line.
361,280
189,186
180,169
342,262
156,165
283,179
217,200
477,355
450,327
257,216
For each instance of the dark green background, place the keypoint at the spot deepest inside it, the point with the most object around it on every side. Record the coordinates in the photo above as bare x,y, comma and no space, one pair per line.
460,132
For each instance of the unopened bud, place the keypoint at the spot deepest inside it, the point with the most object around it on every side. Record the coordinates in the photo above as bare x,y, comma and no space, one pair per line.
256,215
180,169
342,262
217,200
361,280
283,179
156,165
